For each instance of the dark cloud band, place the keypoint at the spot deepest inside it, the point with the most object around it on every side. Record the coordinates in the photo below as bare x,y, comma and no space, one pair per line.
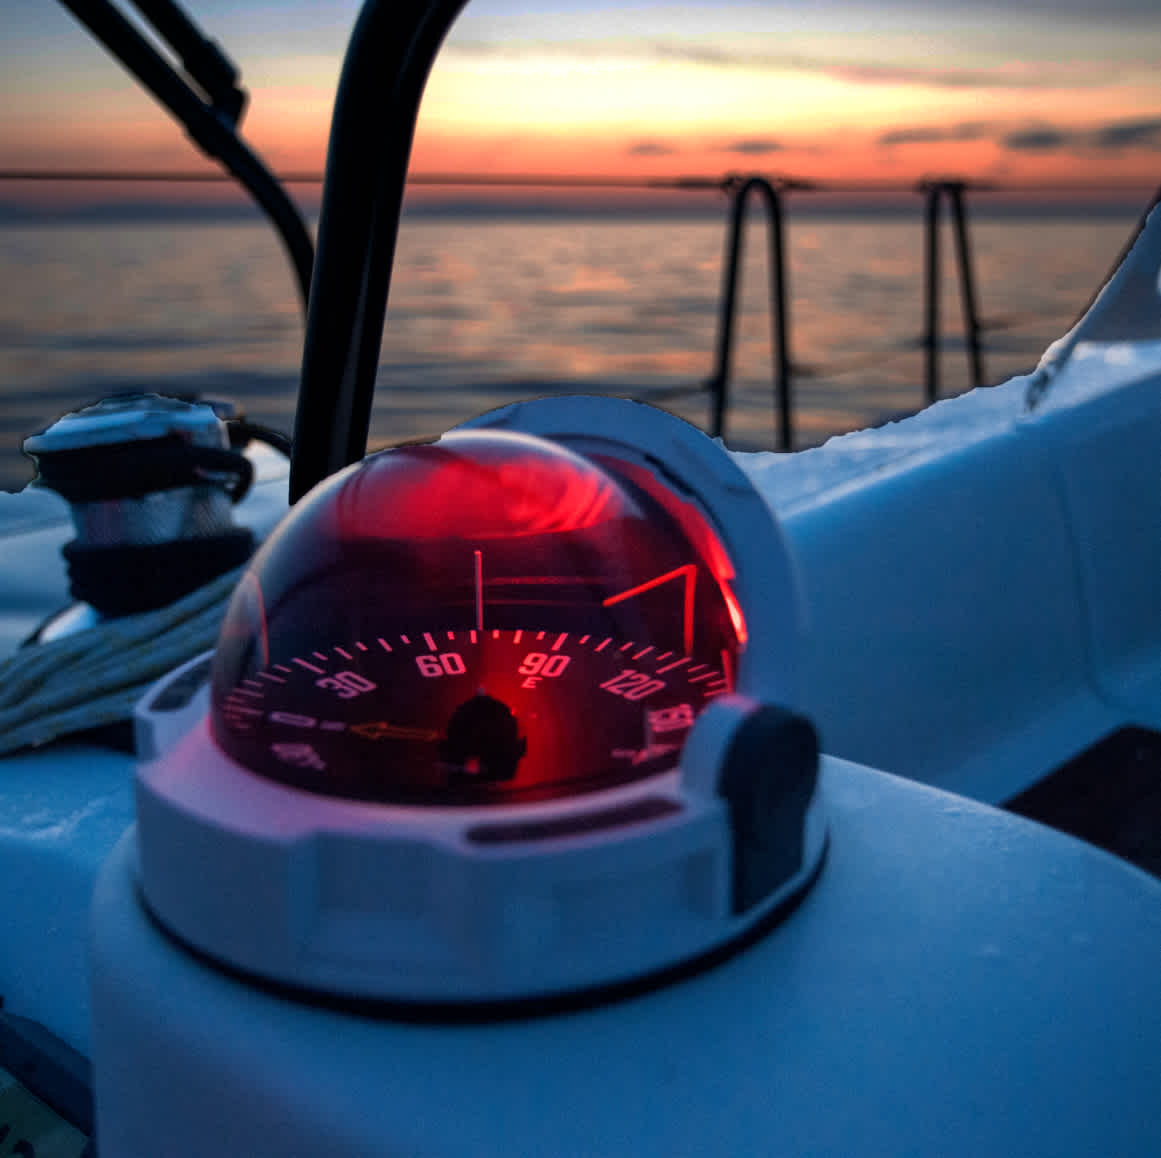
1110,137
1044,75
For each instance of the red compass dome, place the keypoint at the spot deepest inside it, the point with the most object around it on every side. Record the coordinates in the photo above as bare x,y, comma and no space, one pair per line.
489,617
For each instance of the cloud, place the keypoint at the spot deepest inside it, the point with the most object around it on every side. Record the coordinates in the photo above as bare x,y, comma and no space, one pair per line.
753,147
650,149
1111,137
1014,75
1040,140
899,74
1045,75
1039,137
929,134
1129,134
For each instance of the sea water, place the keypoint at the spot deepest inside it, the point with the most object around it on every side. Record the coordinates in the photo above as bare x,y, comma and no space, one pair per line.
487,310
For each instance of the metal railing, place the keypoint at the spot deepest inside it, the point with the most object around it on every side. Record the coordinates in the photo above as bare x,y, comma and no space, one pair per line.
936,192
718,382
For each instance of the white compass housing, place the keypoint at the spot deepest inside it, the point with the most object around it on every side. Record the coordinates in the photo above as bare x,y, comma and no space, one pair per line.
502,719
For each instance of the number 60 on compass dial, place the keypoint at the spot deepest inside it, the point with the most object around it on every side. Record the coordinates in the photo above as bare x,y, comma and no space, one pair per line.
489,617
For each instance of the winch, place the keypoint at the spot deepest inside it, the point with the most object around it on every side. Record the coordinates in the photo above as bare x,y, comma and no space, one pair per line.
150,481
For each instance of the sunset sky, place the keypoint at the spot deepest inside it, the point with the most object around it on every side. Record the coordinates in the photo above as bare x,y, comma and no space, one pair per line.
1020,91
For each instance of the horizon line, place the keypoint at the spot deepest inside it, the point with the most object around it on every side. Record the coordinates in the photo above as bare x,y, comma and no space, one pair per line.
691,183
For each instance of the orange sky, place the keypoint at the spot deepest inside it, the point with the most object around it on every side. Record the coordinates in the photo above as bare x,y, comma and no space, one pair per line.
837,90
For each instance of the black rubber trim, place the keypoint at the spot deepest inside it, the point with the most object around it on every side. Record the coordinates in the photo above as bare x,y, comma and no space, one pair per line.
579,824
123,580
132,470
241,432
767,781
512,1009
1109,795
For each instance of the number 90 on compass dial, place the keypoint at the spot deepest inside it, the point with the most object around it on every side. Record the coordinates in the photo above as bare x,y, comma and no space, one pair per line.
487,618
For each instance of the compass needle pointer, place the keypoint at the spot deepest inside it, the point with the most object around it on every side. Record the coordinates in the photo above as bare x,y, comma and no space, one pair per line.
479,586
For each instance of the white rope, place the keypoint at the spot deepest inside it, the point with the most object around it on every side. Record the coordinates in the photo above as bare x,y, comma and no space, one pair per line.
96,677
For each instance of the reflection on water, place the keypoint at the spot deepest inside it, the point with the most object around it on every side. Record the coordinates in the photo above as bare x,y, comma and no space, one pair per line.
483,312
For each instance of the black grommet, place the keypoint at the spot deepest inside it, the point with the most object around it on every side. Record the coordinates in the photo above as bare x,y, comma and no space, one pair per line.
767,781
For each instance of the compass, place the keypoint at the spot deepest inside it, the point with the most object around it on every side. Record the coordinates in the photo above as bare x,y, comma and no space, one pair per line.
488,617
504,717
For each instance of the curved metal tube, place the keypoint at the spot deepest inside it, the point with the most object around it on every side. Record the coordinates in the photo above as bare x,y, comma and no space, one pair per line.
386,67
201,58
934,193
718,383
210,128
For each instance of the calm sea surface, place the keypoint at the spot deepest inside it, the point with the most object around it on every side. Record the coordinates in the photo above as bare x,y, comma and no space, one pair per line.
486,311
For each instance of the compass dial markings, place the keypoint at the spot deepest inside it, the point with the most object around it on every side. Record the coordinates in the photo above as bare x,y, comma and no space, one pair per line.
687,573
413,732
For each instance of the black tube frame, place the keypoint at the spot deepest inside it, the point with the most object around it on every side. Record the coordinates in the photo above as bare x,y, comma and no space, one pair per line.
718,383
202,59
386,67
935,192
209,125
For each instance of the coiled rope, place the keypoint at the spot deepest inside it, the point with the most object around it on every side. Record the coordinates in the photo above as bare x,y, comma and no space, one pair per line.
95,677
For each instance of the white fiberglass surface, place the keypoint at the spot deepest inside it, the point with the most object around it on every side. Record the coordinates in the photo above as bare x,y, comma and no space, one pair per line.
789,481
958,982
